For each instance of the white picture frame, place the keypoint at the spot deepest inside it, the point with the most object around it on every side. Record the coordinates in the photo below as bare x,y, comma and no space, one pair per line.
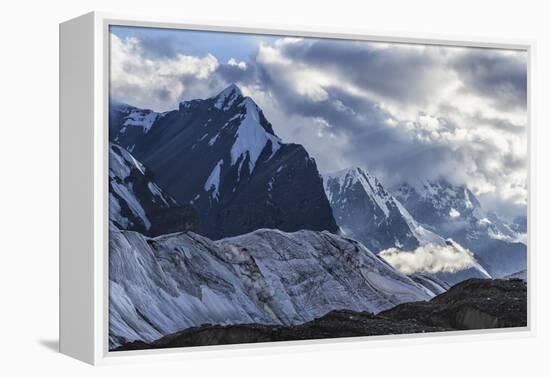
84,85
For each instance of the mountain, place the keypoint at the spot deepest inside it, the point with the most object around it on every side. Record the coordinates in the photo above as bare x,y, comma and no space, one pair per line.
454,211
162,285
522,275
366,211
519,224
473,304
127,123
222,156
137,203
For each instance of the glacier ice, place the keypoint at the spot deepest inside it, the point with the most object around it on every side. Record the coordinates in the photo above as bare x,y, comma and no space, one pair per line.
165,284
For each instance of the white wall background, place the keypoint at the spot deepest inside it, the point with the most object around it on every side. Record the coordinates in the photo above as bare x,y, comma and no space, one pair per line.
29,188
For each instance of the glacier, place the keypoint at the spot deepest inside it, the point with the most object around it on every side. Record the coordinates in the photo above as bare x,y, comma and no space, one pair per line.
164,284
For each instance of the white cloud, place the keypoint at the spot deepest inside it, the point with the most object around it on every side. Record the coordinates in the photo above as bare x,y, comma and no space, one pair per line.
154,82
233,62
271,54
430,258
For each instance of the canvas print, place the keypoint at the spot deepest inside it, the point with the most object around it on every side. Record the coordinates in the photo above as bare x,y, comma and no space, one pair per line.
271,188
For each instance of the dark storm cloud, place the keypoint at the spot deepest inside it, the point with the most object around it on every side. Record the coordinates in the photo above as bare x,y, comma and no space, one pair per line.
387,151
345,111
494,75
400,74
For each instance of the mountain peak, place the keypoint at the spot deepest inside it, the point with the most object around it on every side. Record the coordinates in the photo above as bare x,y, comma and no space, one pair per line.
365,210
446,193
355,174
352,171
227,97
349,177
232,88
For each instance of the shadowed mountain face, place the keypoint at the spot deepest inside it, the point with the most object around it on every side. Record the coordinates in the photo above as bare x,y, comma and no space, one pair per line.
366,211
473,304
222,156
137,203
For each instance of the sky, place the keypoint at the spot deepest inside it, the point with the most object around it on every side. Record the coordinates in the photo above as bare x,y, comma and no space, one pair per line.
403,112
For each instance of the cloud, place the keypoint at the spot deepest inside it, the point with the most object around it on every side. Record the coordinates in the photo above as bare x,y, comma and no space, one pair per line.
241,65
407,112
157,82
398,73
430,258
498,75
403,112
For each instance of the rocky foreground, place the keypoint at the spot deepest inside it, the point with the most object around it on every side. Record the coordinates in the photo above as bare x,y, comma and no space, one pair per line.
472,304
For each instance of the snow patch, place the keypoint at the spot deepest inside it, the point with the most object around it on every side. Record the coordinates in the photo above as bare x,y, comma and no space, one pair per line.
213,140
454,213
115,212
155,190
236,116
141,118
484,221
252,138
126,192
213,181
346,178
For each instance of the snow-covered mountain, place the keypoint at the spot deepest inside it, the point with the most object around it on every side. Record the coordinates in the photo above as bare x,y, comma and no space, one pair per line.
221,155
165,284
137,203
128,123
366,211
454,211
